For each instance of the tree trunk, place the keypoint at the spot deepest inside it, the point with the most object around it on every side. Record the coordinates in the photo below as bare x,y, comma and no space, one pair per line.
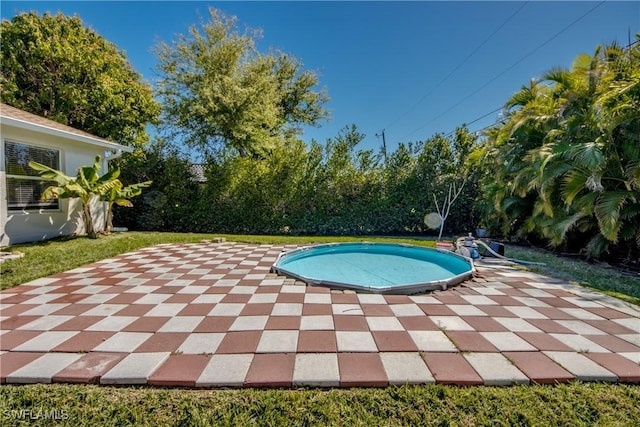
88,221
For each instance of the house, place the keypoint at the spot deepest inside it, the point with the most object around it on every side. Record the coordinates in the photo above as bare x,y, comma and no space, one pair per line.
25,137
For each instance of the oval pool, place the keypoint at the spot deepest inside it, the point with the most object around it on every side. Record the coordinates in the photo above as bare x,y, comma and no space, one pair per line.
375,267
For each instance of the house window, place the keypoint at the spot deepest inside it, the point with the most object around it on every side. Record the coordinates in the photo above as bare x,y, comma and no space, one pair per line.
24,185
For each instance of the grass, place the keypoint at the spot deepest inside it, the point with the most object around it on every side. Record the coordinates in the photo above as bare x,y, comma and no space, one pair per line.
606,279
572,404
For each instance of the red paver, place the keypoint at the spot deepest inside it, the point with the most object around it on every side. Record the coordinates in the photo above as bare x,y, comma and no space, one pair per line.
75,309
196,310
484,324
394,341
558,302
350,323
259,309
505,300
83,341
78,323
625,369
607,313
436,310
614,344
450,298
283,323
181,298
146,324
14,310
338,298
89,368
451,368
538,367
271,370
471,341
16,322
10,340
418,323
135,310
554,313
182,370
317,310
125,298
239,342
398,299
68,298
361,370
612,327
10,362
317,342
236,299
376,310
496,311
162,342
215,324
290,298
544,342
550,326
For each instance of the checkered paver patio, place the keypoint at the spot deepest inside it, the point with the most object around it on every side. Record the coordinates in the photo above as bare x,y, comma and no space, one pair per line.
212,315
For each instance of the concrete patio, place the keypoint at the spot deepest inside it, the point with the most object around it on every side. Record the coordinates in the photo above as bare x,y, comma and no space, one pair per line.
212,315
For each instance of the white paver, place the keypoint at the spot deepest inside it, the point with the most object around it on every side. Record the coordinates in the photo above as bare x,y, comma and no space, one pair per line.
347,309
317,298
405,368
404,310
263,298
123,342
526,312
581,366
582,314
466,310
495,369
249,323
384,323
316,323
112,323
45,323
355,341
165,310
207,298
136,368
43,368
201,343
227,309
278,342
316,370
478,300
371,299
451,323
225,370
181,324
580,327
580,343
46,341
507,341
44,309
515,324
287,309
434,341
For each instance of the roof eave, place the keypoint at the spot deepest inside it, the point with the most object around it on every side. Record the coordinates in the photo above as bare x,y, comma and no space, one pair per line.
64,134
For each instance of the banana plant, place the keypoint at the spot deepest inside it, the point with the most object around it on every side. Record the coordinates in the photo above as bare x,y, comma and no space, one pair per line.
86,185
121,196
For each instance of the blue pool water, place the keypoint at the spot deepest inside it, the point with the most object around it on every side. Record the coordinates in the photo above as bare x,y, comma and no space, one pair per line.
375,267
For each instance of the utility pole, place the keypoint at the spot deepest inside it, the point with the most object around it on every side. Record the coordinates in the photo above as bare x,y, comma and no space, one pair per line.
384,147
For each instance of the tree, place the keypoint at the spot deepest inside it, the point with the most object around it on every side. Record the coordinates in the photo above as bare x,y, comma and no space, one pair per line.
86,186
218,91
121,196
53,66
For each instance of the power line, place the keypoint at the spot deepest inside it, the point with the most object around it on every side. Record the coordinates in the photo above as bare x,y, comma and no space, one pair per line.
457,67
507,69
478,119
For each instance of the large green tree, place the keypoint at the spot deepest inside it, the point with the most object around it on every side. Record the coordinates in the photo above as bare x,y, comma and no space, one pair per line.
53,66
566,162
219,91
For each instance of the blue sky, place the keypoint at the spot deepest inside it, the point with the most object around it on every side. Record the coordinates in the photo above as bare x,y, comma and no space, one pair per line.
411,68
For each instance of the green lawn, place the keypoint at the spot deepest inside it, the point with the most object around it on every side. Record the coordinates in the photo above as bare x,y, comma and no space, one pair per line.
562,405
574,404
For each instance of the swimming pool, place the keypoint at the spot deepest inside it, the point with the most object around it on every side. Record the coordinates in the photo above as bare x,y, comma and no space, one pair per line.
375,267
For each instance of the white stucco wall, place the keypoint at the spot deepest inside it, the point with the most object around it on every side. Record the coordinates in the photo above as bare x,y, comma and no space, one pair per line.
30,226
